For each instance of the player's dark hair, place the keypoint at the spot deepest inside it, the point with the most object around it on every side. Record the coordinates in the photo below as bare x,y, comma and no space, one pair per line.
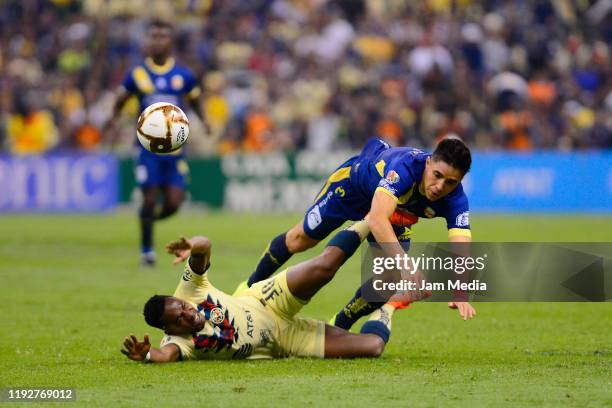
454,152
154,310
160,23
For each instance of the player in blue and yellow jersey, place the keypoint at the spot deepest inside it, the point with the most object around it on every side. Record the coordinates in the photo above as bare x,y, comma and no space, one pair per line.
159,79
202,322
378,184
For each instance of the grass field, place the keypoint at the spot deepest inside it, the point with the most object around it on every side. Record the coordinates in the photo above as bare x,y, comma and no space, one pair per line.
72,289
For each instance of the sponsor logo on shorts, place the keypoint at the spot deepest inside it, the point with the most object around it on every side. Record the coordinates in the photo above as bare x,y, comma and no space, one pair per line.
313,219
463,219
216,315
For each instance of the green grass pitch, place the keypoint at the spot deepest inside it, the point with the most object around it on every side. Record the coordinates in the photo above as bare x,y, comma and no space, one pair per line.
72,289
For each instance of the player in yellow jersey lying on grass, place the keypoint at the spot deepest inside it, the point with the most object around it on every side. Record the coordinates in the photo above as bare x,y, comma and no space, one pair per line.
201,322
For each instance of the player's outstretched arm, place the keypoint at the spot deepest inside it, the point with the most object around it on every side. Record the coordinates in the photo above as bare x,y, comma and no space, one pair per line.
142,350
107,129
197,105
466,311
198,249
382,208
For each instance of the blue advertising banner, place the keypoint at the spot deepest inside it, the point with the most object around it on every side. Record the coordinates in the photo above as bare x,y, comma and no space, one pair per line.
58,183
541,181
498,181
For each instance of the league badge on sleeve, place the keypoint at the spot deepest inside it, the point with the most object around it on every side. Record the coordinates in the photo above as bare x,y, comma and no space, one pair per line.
392,177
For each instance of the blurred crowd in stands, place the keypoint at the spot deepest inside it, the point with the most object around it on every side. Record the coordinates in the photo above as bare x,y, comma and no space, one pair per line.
318,74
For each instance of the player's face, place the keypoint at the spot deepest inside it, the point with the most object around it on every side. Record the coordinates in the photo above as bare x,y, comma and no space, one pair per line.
181,318
439,179
160,42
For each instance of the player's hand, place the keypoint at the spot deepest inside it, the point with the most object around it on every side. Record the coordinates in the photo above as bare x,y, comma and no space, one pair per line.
181,249
134,349
403,218
466,311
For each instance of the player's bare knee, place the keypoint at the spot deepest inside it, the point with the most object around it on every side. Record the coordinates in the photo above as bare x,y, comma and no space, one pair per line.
297,241
377,347
327,264
332,257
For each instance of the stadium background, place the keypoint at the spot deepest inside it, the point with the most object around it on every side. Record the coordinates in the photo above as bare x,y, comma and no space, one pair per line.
292,88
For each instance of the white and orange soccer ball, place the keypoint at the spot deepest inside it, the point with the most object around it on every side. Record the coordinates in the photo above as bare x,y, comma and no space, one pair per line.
162,128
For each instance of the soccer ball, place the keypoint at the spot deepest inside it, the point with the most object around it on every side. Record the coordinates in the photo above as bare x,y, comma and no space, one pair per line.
162,128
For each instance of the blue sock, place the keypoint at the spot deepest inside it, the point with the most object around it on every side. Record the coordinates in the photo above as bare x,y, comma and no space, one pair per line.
378,328
347,241
275,256
146,228
356,308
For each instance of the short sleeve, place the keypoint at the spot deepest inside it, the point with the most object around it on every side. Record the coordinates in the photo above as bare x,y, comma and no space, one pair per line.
192,89
129,83
457,214
192,286
184,343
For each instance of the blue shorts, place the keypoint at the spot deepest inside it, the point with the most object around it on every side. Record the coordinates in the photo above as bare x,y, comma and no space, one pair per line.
338,202
153,170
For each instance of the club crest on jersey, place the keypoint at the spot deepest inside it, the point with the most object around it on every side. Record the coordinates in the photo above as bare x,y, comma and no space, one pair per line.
216,315
392,177
176,82
429,212
224,332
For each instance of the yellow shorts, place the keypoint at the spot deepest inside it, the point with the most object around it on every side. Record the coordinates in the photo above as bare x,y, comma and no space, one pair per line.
297,336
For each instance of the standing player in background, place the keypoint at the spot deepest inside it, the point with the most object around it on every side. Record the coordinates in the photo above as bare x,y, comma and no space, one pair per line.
374,185
159,79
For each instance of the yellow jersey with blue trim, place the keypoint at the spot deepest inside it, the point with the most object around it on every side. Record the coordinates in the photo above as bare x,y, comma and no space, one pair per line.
234,327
